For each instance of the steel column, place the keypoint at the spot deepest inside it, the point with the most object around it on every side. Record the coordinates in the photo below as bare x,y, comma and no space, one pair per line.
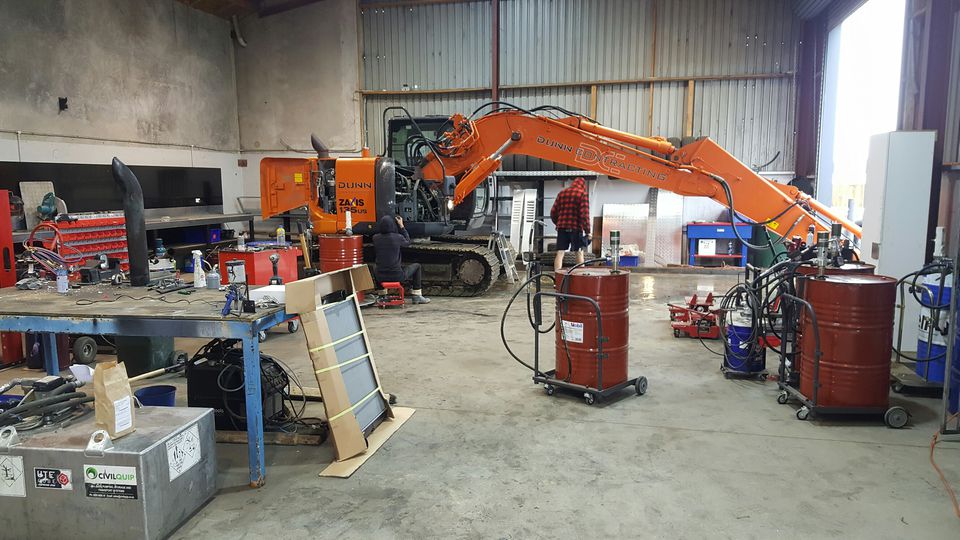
51,362
254,412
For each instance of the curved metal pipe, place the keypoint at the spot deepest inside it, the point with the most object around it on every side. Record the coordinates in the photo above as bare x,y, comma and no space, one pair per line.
136,224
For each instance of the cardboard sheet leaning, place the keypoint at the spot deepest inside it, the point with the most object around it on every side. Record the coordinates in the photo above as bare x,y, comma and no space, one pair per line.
353,398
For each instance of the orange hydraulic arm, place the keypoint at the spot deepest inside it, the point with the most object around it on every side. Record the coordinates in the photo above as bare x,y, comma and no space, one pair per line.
472,150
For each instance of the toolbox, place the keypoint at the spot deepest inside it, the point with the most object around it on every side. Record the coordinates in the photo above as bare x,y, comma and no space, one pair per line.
74,482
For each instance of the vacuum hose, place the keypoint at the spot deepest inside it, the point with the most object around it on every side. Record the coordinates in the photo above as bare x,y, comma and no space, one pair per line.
135,223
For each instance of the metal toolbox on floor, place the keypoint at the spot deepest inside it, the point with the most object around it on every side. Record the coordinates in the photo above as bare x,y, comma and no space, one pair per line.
63,484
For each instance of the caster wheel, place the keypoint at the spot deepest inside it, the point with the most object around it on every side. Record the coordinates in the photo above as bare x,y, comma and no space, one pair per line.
676,333
589,399
762,377
293,326
896,417
549,389
803,413
179,357
84,350
641,385
782,398
393,399
262,336
897,387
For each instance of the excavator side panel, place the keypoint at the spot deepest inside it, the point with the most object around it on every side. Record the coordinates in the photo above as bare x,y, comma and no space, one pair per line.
285,184
356,190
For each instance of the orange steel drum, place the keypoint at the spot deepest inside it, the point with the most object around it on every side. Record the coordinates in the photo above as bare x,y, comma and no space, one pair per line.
855,321
576,330
339,251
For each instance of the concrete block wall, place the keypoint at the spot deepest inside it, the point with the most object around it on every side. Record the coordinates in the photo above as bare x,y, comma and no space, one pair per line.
150,81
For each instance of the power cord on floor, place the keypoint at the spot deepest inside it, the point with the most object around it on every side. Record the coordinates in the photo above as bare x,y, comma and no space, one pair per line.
943,478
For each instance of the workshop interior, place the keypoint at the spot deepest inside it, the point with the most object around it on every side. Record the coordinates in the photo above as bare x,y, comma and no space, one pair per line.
479,268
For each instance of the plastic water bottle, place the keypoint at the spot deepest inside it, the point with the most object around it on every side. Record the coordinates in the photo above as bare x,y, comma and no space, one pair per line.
199,276
242,241
348,223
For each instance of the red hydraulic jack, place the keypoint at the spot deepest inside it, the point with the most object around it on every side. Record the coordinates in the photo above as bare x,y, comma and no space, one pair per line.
696,319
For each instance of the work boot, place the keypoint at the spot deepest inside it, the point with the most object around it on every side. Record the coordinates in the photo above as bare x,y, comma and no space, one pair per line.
418,298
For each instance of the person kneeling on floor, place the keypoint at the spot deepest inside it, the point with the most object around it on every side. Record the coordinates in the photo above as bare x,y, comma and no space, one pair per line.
387,243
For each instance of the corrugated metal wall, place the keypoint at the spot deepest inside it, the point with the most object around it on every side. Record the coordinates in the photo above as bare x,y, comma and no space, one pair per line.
725,37
752,119
427,47
609,42
553,41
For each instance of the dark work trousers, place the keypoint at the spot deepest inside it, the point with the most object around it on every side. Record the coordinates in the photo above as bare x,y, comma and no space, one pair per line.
412,275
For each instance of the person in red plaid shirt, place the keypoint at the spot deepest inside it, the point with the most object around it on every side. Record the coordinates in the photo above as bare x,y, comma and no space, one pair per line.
571,215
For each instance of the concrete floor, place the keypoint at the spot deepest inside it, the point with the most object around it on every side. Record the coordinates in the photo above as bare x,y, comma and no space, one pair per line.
488,455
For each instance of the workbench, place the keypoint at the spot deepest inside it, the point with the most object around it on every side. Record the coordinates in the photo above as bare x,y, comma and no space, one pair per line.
112,310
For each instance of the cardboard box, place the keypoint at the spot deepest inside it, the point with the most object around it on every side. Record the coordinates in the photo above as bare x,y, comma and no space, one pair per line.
334,351
306,295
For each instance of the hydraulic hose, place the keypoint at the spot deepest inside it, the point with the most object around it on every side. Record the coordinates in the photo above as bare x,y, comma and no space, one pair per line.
37,404
503,323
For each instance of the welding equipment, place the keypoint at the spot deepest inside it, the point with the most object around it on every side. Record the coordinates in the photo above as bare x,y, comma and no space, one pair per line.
215,379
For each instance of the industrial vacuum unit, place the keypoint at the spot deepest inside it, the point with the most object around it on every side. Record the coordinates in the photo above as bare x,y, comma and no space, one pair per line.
75,482
591,328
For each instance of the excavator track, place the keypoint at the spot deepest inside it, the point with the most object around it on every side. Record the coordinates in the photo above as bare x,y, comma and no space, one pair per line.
476,239
451,269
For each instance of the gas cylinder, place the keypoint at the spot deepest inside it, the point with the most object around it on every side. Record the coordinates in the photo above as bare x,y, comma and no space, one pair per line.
578,330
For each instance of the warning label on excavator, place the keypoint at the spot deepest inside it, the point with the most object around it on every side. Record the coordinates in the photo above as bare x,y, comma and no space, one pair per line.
298,178
573,331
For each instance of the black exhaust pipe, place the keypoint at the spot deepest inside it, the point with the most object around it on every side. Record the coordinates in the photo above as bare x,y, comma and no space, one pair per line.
135,222
318,146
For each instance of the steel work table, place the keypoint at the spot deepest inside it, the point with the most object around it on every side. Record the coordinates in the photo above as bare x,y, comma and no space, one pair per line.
111,310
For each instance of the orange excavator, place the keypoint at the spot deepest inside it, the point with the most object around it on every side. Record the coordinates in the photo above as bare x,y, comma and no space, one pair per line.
434,176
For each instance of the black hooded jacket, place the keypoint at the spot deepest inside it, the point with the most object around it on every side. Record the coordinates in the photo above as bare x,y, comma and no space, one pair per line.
387,244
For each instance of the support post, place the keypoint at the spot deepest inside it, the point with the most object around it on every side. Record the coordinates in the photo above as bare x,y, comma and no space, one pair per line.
254,410
495,50
51,358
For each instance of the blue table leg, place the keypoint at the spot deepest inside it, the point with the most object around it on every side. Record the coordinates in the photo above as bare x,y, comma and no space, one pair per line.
251,378
51,360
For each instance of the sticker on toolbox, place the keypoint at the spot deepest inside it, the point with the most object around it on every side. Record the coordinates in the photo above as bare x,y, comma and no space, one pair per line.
50,478
573,331
109,482
183,451
12,483
124,413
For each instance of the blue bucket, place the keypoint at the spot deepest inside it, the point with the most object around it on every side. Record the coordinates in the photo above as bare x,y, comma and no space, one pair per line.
932,370
161,395
739,358
7,402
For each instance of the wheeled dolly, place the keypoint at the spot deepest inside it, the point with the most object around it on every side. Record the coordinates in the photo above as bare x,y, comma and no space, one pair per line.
590,395
894,417
293,324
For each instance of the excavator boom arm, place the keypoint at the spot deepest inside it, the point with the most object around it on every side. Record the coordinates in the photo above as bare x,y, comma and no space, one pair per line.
472,150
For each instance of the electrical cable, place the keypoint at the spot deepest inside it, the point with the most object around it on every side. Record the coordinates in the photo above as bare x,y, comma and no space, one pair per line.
732,213
946,485
276,376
